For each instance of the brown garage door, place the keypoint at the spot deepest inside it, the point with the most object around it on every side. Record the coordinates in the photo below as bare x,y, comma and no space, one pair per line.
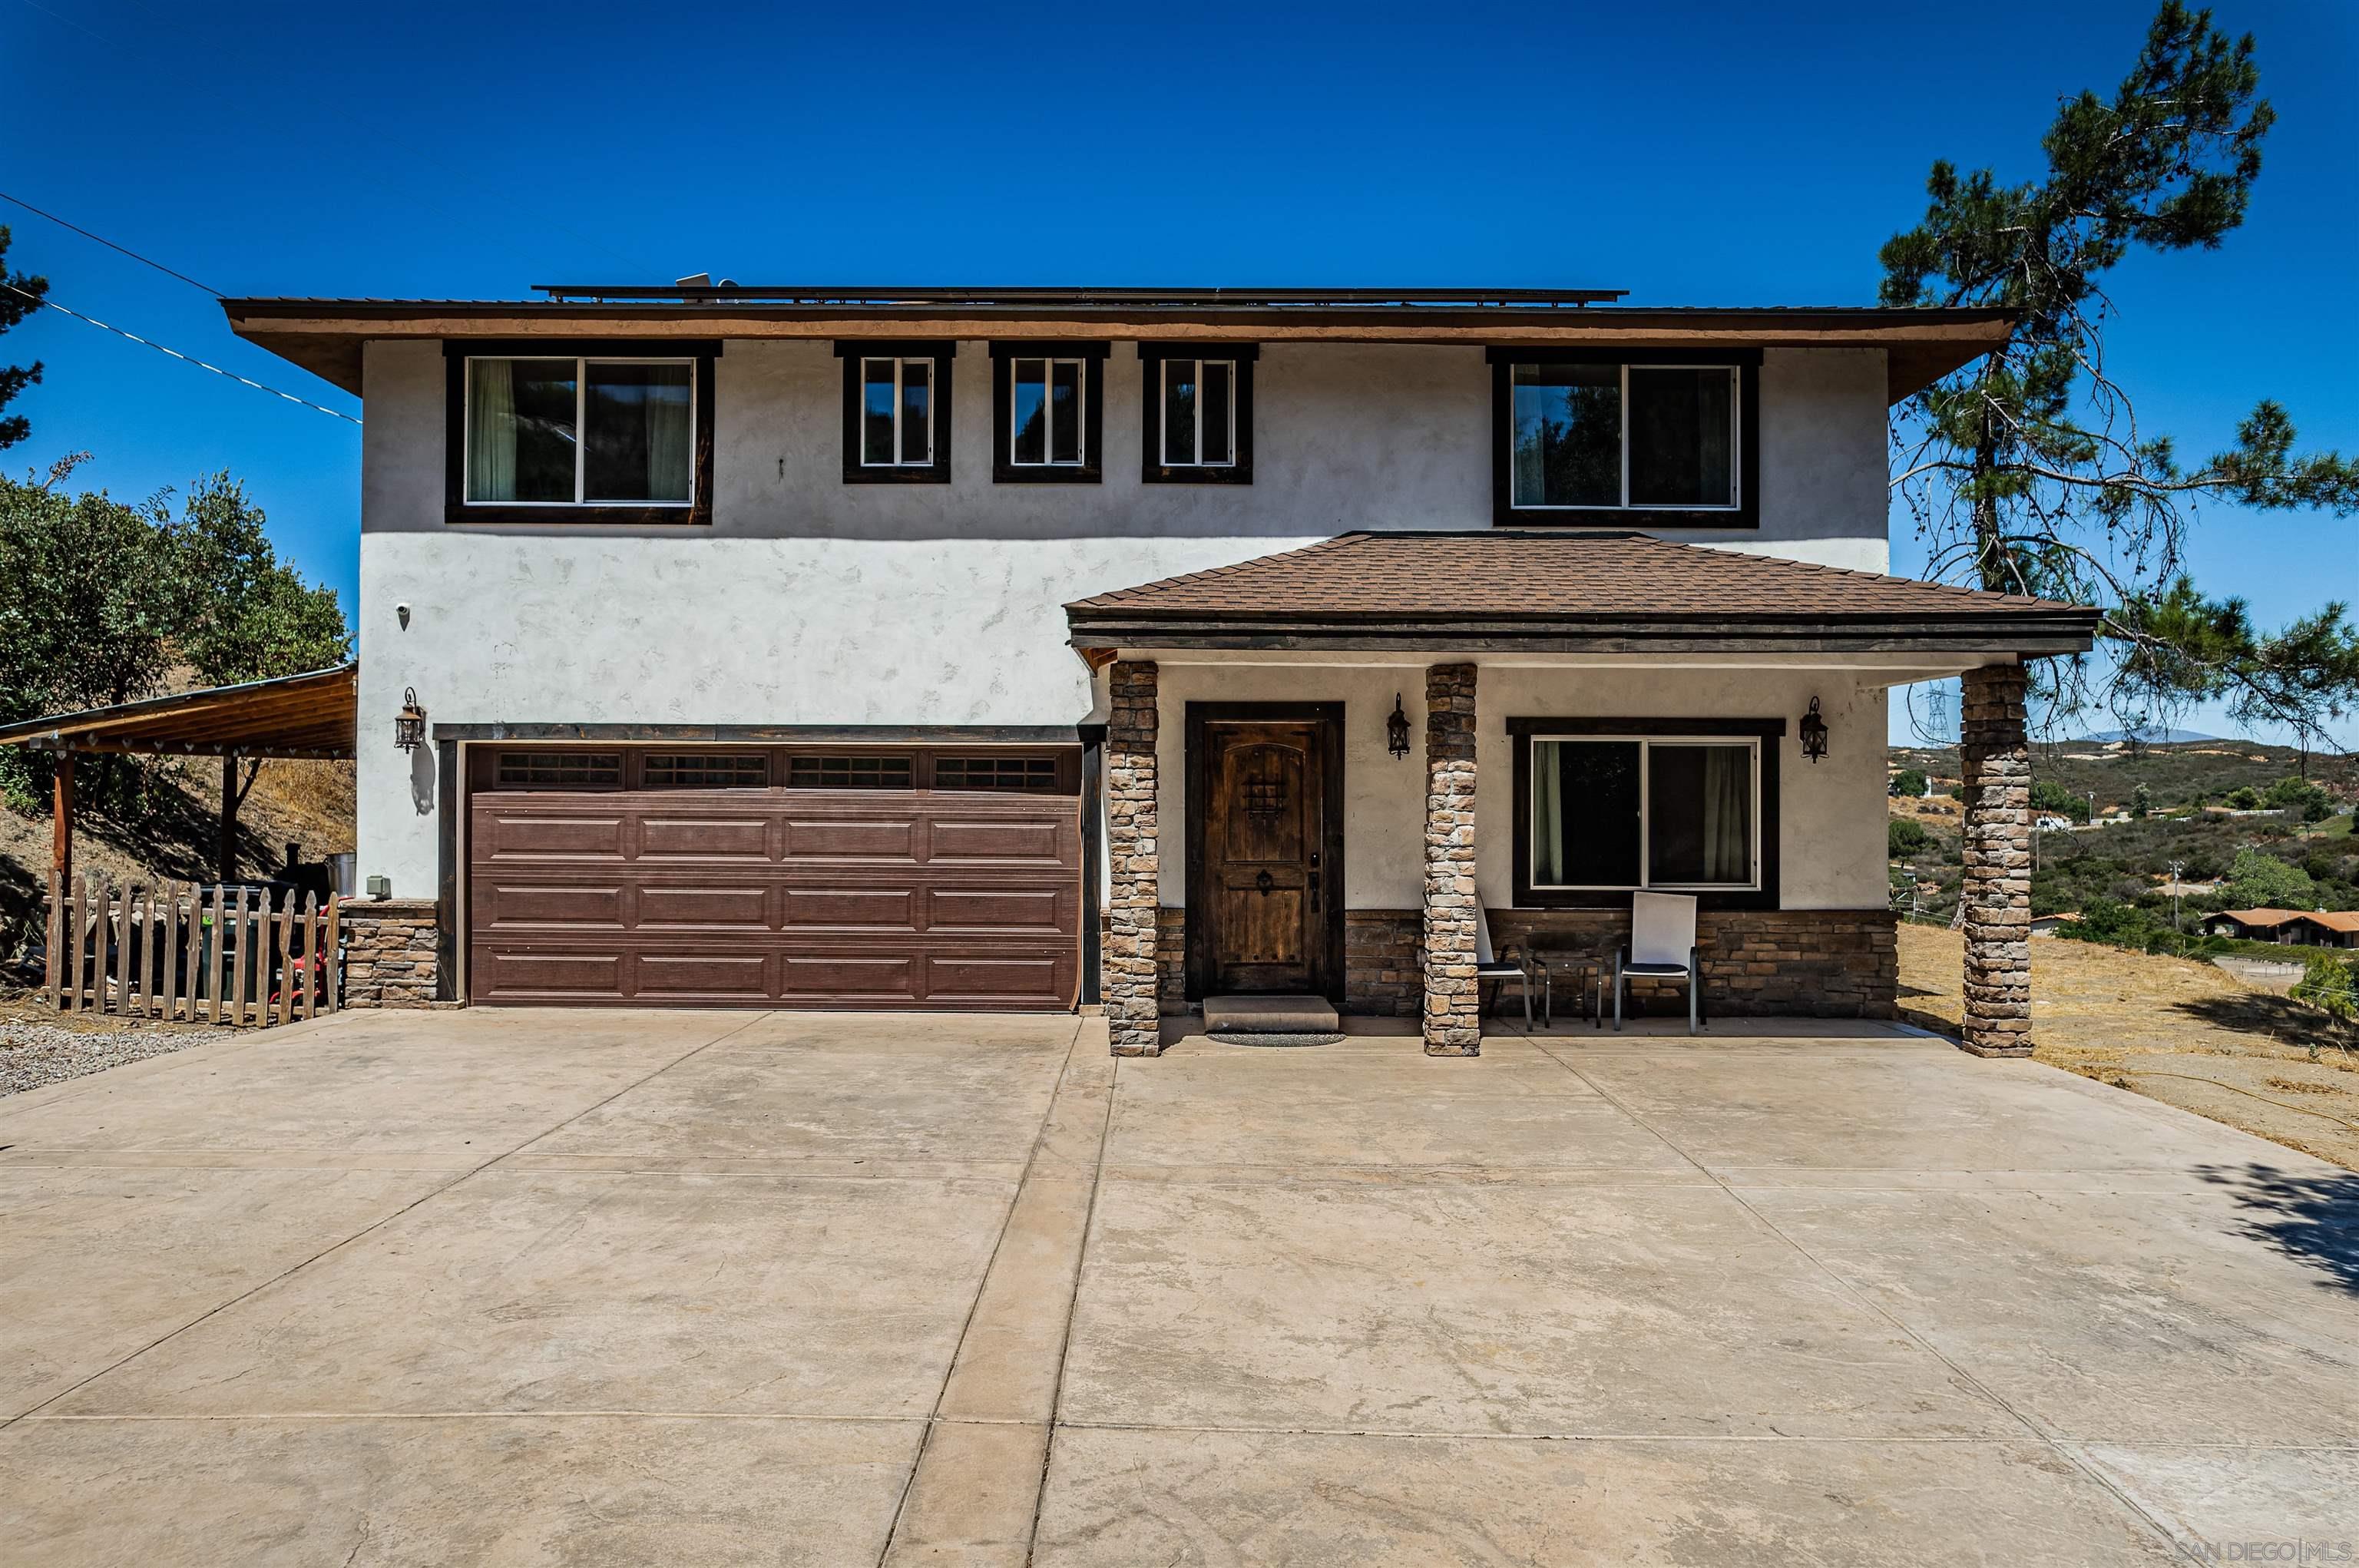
777,877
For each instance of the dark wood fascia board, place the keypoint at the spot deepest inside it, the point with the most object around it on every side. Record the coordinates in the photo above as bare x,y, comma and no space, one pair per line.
1768,896
896,348
1616,353
582,348
1197,960
1198,348
458,513
325,336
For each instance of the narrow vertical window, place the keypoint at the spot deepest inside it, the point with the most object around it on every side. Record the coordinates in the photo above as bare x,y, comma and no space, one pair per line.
1045,400
897,413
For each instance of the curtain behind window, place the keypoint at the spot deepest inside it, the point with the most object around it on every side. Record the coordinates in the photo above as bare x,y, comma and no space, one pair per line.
491,431
1548,817
668,475
1727,814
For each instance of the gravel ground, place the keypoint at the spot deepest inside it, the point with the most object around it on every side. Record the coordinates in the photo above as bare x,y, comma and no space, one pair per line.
34,1053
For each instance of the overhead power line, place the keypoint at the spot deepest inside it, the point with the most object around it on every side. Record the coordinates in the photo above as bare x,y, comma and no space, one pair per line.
110,244
176,353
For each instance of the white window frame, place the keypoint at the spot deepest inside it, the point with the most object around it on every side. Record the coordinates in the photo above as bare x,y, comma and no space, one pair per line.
1645,883
581,364
1622,410
1163,413
1049,363
933,396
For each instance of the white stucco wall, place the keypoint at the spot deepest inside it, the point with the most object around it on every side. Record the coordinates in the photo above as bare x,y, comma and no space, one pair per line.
808,601
1831,818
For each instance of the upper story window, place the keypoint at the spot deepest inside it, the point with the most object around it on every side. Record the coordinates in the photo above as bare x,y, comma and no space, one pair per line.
610,434
1196,406
896,412
1048,412
1655,439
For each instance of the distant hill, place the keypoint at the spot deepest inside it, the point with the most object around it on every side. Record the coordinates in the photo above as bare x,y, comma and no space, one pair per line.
2144,738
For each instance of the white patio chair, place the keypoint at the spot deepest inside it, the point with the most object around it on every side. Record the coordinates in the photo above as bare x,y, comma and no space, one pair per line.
1662,946
1492,971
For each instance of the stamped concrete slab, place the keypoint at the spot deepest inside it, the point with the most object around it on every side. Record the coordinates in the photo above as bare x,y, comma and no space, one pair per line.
357,1092
542,1290
1484,1309
620,1492
2230,1505
786,1104
2121,1318
1913,1108
97,1265
1116,1499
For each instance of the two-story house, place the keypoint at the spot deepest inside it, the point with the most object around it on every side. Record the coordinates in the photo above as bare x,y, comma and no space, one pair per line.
1044,648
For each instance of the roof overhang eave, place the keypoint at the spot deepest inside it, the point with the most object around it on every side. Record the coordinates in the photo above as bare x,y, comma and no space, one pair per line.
2034,637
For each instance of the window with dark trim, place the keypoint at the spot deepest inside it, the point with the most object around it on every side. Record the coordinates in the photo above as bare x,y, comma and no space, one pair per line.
896,412
563,431
1196,413
704,770
560,770
1606,807
1646,437
850,772
1037,775
1047,413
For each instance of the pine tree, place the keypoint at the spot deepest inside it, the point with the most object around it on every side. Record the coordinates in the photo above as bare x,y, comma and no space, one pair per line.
2027,471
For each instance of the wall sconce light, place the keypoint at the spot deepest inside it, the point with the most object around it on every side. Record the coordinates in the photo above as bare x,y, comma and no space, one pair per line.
1814,734
1396,729
410,725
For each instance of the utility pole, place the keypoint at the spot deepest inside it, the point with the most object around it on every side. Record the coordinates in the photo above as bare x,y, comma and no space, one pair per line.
2176,868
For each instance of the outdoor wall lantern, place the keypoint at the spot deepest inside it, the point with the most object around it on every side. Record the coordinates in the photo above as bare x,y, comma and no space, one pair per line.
1814,734
1396,729
410,725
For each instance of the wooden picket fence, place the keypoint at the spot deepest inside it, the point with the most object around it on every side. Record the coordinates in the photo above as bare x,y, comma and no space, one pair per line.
183,950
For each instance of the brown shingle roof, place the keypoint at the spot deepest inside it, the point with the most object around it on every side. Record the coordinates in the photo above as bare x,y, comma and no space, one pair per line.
1529,583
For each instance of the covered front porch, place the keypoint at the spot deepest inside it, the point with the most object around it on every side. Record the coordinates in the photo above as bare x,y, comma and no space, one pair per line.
1328,771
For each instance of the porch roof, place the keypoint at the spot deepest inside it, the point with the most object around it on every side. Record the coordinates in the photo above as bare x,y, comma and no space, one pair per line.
311,715
1549,591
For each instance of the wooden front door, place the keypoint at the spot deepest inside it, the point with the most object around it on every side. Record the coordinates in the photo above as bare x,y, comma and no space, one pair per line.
1266,838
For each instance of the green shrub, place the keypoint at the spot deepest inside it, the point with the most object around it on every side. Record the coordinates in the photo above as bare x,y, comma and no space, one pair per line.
2258,881
2244,798
1909,783
2332,983
1906,836
2050,799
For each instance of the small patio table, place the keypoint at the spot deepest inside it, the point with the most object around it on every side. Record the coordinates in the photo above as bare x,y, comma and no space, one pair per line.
1583,967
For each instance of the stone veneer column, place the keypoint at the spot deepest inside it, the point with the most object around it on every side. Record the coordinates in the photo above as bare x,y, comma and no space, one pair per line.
1134,1012
1996,761
1454,1024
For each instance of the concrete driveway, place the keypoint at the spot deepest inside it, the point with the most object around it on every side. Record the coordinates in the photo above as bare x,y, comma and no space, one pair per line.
680,1288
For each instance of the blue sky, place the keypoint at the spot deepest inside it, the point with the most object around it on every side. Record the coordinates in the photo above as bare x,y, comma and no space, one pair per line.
1704,154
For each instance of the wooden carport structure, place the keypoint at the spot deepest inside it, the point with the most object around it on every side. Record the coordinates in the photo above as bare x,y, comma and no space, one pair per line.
314,714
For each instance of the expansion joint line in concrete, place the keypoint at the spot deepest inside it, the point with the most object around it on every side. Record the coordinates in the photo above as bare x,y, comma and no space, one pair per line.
1870,1303
974,1487
425,1197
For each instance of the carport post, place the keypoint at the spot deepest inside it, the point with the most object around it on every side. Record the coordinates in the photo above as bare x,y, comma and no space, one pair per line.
62,815
225,858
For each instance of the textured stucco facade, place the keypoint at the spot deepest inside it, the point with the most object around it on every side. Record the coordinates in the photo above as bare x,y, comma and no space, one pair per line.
810,601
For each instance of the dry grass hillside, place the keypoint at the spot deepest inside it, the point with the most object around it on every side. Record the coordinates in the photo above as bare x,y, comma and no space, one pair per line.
309,803
2171,1029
